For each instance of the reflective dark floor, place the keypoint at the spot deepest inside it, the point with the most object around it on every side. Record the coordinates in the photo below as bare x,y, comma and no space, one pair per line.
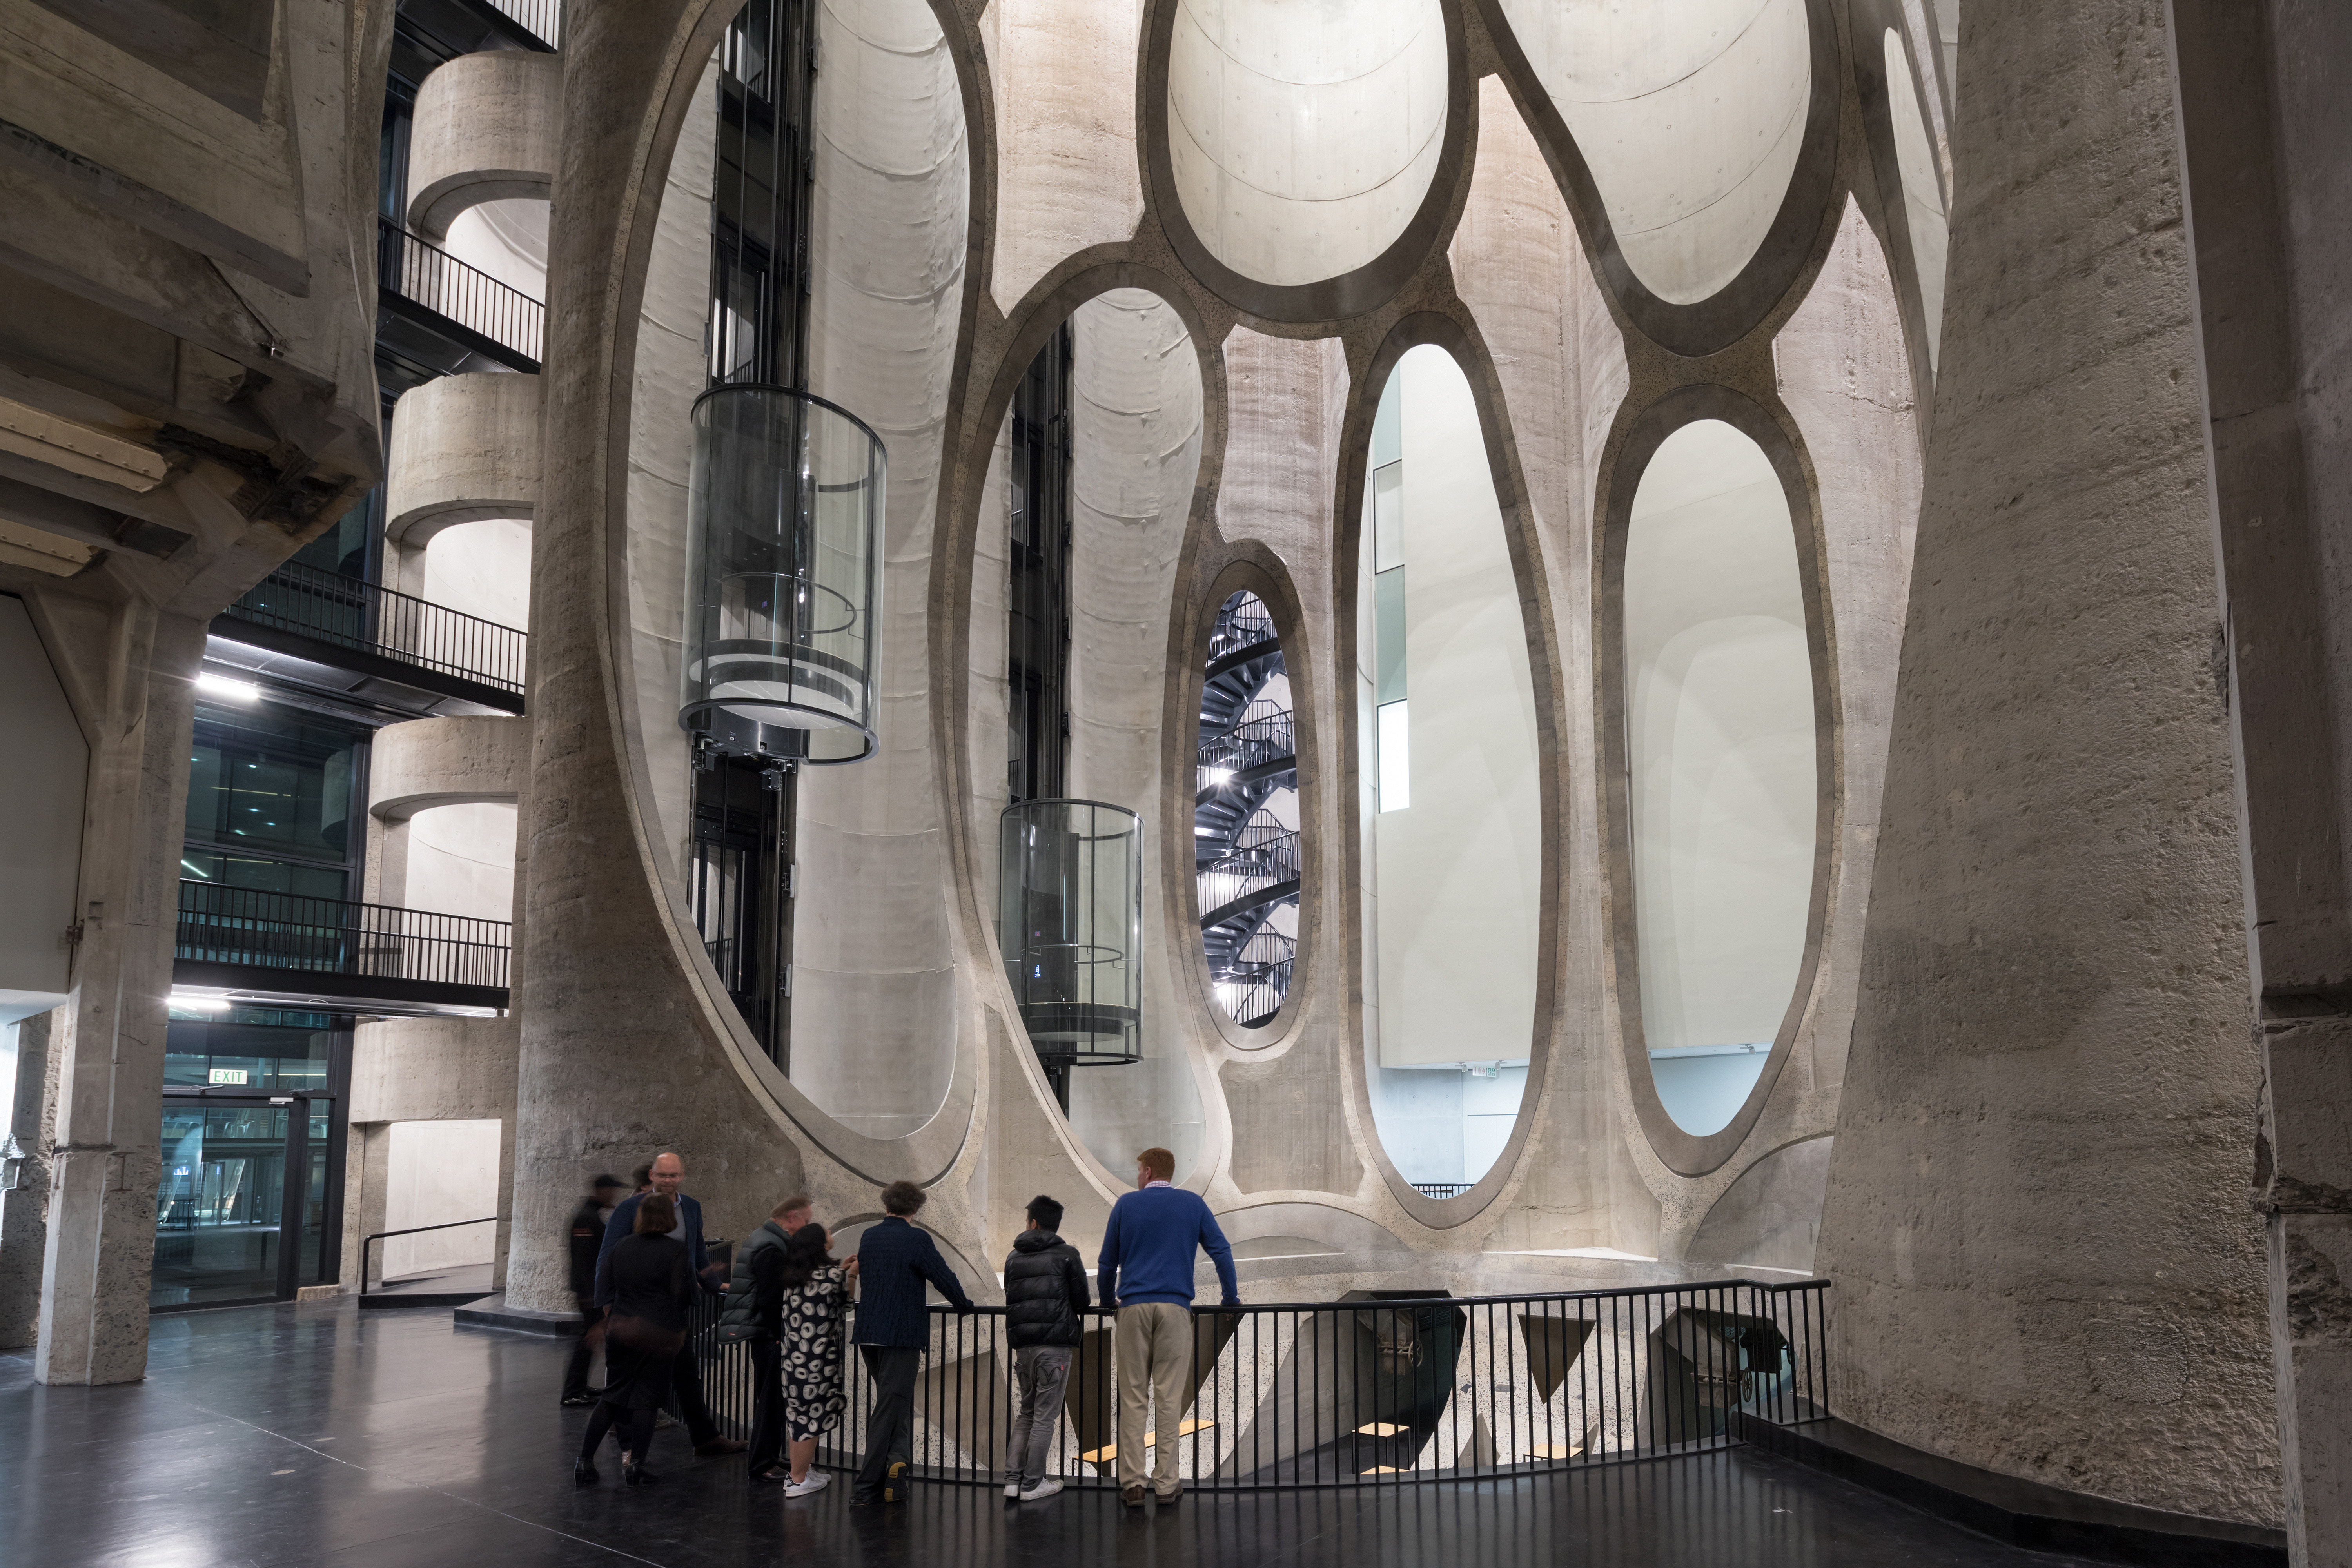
315,1435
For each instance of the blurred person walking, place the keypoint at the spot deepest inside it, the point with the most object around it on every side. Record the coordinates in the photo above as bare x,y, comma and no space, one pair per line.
1045,1298
1146,1269
816,1294
649,1276
894,1262
587,1237
667,1174
754,1316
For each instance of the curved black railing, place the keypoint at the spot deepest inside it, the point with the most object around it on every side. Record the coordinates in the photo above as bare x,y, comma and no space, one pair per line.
1443,1189
1244,625
333,936
369,618
1262,866
367,1242
493,317
1377,1390
1245,752
1252,980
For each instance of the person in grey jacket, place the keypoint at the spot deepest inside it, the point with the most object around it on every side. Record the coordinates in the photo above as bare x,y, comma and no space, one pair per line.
755,1314
1044,1302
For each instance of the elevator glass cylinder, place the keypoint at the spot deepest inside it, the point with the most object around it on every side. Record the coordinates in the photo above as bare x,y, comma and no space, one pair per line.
1070,916
784,576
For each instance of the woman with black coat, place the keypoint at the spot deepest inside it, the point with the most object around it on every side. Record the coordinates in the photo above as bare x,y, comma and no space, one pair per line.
652,1286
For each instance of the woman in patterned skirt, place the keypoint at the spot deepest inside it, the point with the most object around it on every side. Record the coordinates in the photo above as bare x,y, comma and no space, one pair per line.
817,1292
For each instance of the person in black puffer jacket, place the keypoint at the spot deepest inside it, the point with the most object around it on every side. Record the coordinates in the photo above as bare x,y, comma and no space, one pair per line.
1044,1292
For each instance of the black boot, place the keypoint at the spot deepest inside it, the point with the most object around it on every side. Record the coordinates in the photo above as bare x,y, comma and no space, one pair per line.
638,1475
583,1473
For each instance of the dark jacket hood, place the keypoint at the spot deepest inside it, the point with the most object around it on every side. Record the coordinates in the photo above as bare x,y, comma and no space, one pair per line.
1036,1241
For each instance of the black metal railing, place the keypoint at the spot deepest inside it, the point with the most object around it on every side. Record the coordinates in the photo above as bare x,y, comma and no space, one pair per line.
500,316
1244,624
367,1243
542,18
1443,1189
1264,855
332,936
1261,743
370,619
1252,983
1385,1388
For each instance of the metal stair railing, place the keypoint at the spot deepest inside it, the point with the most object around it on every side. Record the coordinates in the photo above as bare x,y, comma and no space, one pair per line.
503,318
1255,745
1264,855
1246,624
371,619
335,936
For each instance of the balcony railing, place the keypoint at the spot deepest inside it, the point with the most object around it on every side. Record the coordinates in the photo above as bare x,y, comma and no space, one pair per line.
468,303
1252,983
1388,1390
1246,624
543,19
1263,743
250,928
369,618
1443,1189
1264,858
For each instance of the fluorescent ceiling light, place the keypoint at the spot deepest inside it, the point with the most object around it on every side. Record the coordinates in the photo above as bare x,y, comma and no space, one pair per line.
199,1001
222,685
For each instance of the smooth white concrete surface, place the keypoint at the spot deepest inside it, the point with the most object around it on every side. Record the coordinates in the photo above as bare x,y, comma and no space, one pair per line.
1135,453
873,987
1719,724
47,770
1923,188
482,569
1066,173
1458,870
461,860
436,1173
507,239
1303,136
1690,114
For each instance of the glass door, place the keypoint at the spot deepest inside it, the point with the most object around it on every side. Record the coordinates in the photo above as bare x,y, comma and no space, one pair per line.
240,1213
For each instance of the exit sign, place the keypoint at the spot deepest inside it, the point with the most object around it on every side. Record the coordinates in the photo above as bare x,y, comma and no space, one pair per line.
228,1075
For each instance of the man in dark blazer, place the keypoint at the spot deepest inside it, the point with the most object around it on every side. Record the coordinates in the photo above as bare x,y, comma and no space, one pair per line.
686,1377
894,1261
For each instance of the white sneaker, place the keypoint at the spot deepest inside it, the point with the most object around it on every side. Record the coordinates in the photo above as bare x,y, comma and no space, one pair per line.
818,1481
1013,1489
1044,1489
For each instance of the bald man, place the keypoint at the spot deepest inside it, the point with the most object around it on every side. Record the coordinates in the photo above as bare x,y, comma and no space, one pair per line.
668,1174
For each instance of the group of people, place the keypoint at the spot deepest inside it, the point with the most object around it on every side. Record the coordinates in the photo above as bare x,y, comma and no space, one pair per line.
639,1260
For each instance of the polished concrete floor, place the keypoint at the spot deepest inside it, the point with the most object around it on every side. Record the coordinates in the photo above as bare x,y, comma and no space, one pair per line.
315,1435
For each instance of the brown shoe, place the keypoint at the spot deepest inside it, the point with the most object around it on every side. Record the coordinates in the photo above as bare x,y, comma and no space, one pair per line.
717,1445
1171,1494
1131,1495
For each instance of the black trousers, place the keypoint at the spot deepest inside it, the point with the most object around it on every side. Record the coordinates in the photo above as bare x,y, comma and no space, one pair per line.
686,1394
575,1372
891,1430
767,1405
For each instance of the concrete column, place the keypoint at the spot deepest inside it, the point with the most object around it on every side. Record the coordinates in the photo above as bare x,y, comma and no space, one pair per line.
25,1207
2263,122
2036,1221
619,1056
108,1038
463,448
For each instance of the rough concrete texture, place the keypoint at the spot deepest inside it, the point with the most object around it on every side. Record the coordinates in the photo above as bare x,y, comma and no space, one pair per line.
25,1203
108,1038
464,447
1062,74
873,986
485,130
2041,1148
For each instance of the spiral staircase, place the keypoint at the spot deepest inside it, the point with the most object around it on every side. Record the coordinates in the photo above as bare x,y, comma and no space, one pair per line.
1246,858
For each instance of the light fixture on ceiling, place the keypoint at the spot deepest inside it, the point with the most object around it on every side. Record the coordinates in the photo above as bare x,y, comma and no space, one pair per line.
213,685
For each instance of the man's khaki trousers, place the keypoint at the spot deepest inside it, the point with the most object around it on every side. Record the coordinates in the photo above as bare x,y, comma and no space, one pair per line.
1154,1353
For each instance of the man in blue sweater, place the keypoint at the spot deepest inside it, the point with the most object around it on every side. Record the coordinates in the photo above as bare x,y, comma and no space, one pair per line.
1146,1269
